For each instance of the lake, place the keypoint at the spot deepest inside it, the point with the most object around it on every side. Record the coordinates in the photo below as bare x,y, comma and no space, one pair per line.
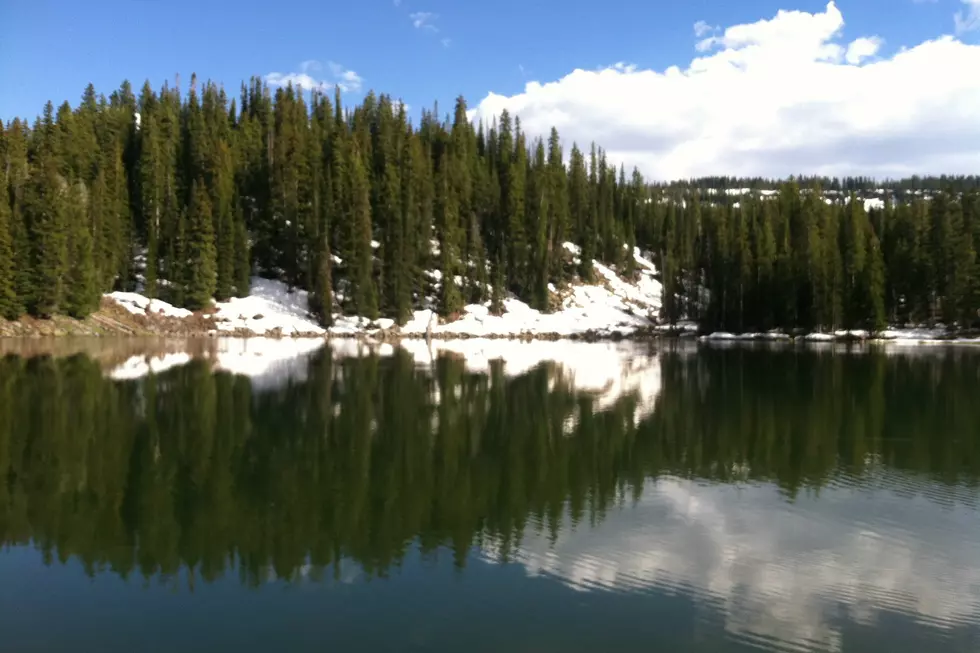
258,496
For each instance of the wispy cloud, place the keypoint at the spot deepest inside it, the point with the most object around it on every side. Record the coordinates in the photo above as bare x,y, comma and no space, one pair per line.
702,28
424,20
309,77
346,80
398,3
446,42
968,20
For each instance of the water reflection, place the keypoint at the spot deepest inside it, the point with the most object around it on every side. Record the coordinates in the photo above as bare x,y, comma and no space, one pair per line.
788,496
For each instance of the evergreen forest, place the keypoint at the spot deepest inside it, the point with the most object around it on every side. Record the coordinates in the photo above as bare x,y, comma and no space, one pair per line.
186,195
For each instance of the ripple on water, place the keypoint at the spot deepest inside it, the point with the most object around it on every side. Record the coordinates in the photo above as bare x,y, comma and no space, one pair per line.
779,575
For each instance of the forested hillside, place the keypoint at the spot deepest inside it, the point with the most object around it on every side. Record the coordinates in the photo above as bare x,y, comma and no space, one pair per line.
185,196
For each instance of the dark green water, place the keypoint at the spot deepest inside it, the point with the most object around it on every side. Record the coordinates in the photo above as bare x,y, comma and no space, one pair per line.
712,500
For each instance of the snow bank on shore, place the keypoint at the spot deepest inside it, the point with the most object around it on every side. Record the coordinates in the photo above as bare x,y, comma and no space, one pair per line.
270,308
611,306
138,304
893,336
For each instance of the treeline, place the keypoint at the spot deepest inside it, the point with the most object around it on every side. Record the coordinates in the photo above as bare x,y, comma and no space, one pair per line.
897,187
799,260
186,196
367,458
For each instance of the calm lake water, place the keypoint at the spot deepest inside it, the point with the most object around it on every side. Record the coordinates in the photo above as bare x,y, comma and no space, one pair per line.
573,498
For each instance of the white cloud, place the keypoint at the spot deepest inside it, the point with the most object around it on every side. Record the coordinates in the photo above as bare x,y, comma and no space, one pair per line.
398,3
303,80
968,19
776,97
423,20
446,42
702,28
862,48
347,80
344,79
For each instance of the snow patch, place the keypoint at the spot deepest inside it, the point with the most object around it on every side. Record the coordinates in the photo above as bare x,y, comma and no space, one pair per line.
269,307
615,306
138,304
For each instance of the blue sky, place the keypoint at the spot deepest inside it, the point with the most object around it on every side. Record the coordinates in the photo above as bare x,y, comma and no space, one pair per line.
52,49
733,110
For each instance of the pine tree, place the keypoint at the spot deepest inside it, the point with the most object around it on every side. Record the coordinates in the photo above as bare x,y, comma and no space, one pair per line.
16,179
580,213
856,296
538,214
558,211
363,293
874,283
959,307
45,207
152,185
447,228
10,305
389,209
81,283
744,263
201,254
243,261
517,238
321,297
224,189
765,258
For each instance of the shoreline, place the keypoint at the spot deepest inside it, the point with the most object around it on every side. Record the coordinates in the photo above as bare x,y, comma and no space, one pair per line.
97,327
143,319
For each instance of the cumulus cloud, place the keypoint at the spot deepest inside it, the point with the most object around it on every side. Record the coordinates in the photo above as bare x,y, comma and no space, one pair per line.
968,19
785,95
309,77
862,48
423,20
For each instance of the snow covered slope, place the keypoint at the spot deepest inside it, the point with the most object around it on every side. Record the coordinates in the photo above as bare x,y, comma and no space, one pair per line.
611,306
269,309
